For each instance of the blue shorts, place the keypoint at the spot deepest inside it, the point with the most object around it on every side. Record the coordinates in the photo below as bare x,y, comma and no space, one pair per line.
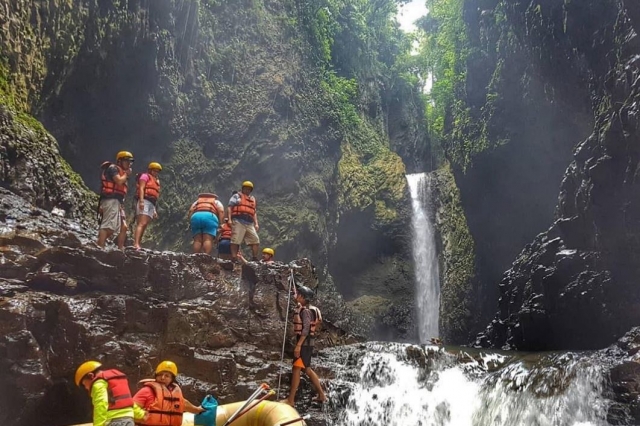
204,223
224,247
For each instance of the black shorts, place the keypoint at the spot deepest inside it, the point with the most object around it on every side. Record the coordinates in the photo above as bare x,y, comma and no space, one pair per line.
305,357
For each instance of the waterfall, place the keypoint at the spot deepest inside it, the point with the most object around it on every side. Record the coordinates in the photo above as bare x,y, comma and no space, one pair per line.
424,257
404,385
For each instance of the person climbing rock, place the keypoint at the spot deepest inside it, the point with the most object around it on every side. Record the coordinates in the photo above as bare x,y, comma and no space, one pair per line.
224,240
162,398
244,220
249,269
111,207
267,256
147,193
110,395
306,320
204,215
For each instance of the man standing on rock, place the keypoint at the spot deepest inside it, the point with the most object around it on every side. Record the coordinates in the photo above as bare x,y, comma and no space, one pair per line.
114,189
147,193
305,322
244,221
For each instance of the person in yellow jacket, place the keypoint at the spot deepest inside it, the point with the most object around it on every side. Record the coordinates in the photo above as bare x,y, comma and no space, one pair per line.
110,395
162,398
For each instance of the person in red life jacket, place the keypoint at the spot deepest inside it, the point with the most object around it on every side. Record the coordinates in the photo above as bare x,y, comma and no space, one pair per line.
306,320
224,240
205,214
244,221
114,188
162,398
147,193
110,395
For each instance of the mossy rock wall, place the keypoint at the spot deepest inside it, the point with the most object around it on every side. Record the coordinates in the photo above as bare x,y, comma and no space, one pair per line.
220,92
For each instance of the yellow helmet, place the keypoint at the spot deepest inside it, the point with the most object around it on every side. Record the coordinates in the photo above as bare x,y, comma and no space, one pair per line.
124,155
247,183
85,369
268,250
169,366
155,166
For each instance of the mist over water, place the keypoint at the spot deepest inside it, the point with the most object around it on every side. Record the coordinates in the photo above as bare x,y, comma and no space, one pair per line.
424,257
389,386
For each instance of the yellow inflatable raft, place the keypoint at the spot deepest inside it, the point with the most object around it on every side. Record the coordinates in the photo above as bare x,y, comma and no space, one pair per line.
266,413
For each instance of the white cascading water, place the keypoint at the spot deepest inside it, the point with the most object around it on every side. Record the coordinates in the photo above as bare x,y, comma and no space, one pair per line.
425,257
387,389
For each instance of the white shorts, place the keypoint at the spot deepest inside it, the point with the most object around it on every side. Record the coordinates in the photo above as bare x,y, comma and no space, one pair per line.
148,209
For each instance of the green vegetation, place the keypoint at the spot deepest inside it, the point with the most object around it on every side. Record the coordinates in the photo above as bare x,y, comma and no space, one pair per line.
458,260
457,130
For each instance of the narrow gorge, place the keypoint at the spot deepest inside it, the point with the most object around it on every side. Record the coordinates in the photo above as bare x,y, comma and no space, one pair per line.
457,180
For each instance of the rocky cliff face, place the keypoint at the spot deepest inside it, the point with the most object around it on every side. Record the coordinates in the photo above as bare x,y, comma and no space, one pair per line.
63,300
583,269
222,92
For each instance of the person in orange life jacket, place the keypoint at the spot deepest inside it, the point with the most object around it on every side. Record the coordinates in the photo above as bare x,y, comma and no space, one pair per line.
114,188
204,215
147,193
162,398
110,395
305,321
224,240
244,221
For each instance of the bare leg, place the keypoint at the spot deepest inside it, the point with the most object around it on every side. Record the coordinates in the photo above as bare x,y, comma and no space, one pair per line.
197,243
254,250
141,225
123,235
234,251
316,384
103,235
207,243
295,382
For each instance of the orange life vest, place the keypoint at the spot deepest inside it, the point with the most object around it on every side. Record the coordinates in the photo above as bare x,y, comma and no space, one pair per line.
206,203
151,188
110,189
225,231
118,388
168,407
246,206
316,319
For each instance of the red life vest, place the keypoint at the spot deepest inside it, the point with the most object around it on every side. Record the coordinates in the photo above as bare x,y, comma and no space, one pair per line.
206,203
118,388
168,406
225,231
110,189
246,206
316,319
151,188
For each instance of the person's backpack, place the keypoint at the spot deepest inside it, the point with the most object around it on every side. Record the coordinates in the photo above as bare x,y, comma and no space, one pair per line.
208,417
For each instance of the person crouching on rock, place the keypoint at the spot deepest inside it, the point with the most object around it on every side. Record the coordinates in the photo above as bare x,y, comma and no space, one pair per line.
305,321
114,189
147,193
244,221
162,398
205,214
110,395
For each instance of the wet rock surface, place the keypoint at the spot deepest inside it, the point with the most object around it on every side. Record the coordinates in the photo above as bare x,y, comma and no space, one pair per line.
584,269
63,301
